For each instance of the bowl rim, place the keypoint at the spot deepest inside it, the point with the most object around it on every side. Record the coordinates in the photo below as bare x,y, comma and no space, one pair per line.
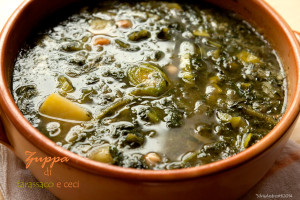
36,138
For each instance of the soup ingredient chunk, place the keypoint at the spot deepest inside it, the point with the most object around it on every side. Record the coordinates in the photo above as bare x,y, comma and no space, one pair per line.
186,51
152,158
139,35
148,79
102,155
62,108
124,23
101,41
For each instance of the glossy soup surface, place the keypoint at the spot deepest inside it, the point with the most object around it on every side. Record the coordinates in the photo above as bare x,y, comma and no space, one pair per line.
151,85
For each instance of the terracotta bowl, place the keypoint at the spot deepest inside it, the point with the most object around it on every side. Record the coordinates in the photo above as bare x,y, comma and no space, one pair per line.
82,178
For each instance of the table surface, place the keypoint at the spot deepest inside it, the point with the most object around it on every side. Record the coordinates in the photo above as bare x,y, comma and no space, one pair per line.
288,9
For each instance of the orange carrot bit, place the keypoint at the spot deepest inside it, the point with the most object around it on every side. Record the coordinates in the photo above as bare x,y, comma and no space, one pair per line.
124,23
101,41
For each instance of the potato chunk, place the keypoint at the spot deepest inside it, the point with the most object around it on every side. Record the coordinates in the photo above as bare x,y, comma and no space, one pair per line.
102,155
60,107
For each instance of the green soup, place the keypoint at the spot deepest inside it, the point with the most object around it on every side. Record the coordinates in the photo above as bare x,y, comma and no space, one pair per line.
152,85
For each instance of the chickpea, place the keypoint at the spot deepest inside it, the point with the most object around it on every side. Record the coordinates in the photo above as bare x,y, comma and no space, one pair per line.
101,41
124,23
172,70
152,158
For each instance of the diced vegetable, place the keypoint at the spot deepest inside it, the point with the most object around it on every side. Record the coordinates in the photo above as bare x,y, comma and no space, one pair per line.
212,93
233,66
148,79
245,86
86,95
214,44
122,44
85,39
186,51
268,89
119,103
201,33
127,47
154,16
247,140
164,34
248,57
72,46
189,157
157,55
224,117
174,6
87,47
214,79
62,108
153,116
217,88
139,35
216,54
65,85
236,122
73,133
102,155
134,139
